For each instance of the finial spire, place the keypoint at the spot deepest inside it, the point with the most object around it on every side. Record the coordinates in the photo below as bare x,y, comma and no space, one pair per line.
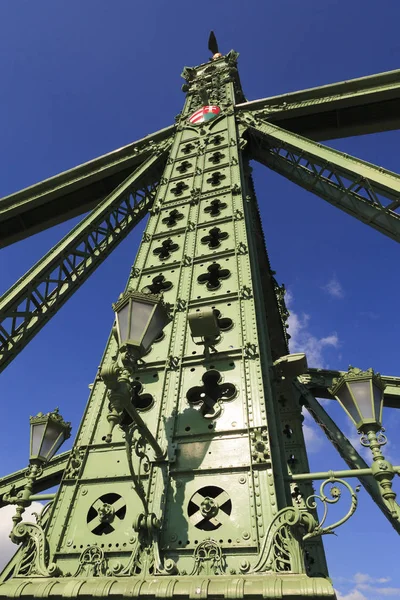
213,46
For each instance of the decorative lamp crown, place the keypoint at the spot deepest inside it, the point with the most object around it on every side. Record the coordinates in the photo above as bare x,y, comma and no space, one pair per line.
360,393
48,432
140,320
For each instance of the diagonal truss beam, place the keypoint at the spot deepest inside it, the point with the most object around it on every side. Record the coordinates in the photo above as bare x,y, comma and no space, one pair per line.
39,294
361,189
72,192
358,106
51,476
345,449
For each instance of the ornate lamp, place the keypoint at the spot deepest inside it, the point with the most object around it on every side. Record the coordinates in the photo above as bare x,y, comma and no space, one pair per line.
140,319
360,393
48,432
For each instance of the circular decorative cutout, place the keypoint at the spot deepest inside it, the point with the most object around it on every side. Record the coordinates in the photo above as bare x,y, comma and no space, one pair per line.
209,508
106,513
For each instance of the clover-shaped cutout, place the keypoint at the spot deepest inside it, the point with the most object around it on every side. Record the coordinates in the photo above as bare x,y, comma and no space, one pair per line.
140,400
179,188
214,237
187,148
216,157
215,207
224,323
210,395
167,247
159,285
216,178
217,140
213,276
173,217
184,166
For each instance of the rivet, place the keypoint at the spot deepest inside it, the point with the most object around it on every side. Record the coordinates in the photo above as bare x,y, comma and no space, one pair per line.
84,491
69,543
245,535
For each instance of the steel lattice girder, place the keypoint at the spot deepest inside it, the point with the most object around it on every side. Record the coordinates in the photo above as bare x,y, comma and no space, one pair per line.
51,476
72,192
361,189
344,448
364,105
38,295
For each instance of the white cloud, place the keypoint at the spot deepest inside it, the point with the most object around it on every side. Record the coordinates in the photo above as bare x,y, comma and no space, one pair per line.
360,578
7,548
382,591
364,583
353,595
302,340
334,288
312,437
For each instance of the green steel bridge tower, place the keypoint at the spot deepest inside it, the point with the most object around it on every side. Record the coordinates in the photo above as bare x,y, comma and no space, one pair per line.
188,477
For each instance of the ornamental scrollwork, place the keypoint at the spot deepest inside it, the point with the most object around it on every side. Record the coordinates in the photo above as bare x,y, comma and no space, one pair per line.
92,563
75,463
208,559
335,494
34,561
282,548
135,441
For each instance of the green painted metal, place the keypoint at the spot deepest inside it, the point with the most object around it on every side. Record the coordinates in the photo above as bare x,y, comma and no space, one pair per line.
51,476
41,292
73,192
204,489
365,105
346,450
217,506
369,193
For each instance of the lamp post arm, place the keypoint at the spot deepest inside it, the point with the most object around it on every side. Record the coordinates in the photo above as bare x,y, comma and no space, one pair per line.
327,474
118,382
24,498
383,471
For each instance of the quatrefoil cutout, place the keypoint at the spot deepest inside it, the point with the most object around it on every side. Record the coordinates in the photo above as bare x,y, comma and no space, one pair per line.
187,148
215,207
214,238
140,400
210,395
224,323
173,217
216,178
179,188
213,276
217,140
216,157
159,284
167,247
184,166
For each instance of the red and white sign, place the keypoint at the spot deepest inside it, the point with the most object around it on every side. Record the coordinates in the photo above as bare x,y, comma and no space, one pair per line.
206,113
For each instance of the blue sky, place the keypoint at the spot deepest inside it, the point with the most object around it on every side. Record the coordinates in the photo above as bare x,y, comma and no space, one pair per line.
80,79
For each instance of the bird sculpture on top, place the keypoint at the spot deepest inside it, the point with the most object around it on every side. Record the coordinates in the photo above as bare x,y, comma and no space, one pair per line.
213,46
